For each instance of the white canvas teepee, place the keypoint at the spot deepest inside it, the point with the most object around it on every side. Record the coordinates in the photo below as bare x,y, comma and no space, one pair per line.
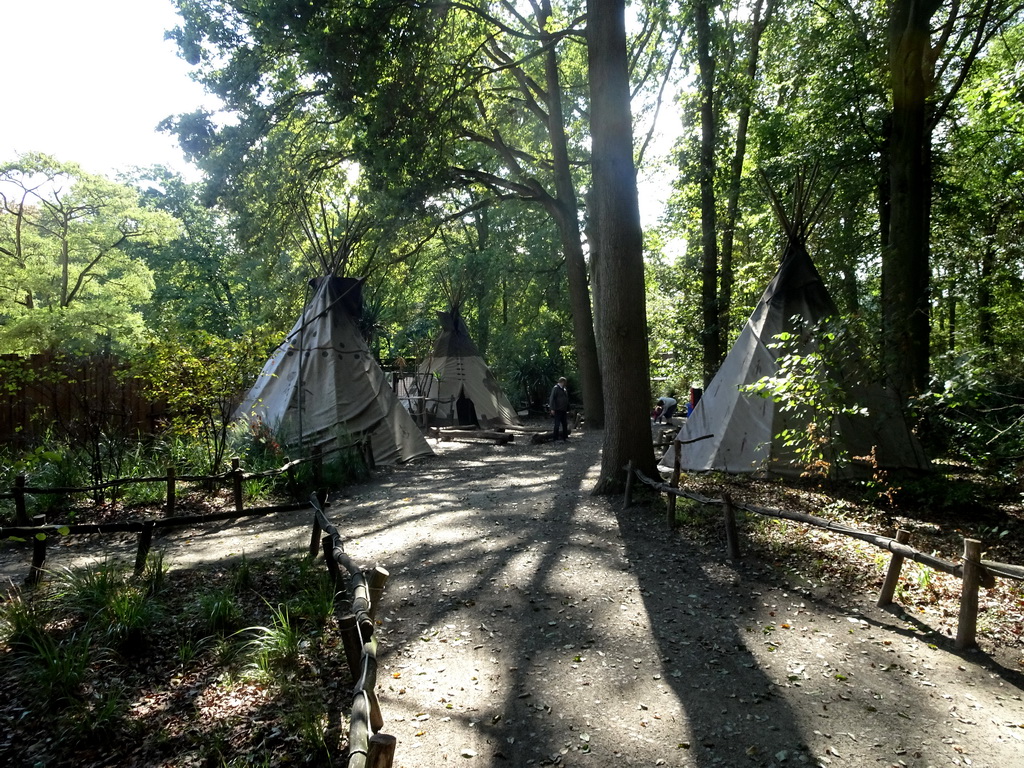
744,426
322,382
459,387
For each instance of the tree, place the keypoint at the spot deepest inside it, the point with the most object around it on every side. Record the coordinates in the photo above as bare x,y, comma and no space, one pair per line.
69,280
930,58
617,251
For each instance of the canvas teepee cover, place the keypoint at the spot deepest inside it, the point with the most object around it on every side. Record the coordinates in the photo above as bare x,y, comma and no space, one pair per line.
323,381
744,425
459,387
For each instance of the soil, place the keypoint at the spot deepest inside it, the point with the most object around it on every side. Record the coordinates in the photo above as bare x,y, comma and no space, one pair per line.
527,622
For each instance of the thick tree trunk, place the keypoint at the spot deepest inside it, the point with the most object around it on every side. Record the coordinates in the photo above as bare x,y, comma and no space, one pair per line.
567,218
710,334
619,300
905,262
726,279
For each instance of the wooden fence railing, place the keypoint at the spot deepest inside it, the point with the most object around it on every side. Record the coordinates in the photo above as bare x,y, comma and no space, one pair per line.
368,747
236,476
972,570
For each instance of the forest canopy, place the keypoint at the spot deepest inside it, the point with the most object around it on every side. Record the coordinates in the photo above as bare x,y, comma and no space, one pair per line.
404,142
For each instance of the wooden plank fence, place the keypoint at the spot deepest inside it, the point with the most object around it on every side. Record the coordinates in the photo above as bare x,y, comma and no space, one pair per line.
973,571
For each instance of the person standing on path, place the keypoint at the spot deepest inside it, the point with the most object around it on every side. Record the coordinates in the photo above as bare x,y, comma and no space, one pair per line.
558,404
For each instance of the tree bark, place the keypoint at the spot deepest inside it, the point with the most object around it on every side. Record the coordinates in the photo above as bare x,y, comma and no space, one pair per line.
569,227
710,333
725,278
905,260
619,291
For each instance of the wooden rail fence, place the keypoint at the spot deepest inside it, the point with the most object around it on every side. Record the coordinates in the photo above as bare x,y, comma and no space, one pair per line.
368,746
236,476
972,570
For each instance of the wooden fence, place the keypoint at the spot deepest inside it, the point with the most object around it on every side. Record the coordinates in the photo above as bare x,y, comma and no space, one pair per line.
368,747
73,394
972,570
236,477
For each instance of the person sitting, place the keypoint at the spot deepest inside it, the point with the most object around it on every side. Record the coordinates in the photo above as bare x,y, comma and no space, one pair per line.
668,405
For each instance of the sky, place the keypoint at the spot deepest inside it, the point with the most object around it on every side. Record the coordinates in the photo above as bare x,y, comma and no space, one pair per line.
87,81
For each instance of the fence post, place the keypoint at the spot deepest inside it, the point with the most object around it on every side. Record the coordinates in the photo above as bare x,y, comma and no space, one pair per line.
352,644
145,542
20,508
627,498
172,492
376,580
35,572
381,753
314,540
318,466
236,482
731,537
967,624
892,577
674,483
327,543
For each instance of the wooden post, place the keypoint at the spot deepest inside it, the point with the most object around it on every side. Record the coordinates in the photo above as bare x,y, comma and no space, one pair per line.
20,508
236,483
892,577
381,753
376,580
627,498
314,540
352,644
172,492
676,470
145,542
318,465
97,473
371,464
327,544
731,537
967,624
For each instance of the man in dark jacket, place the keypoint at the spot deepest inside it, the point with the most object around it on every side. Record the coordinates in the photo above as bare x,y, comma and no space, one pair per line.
558,404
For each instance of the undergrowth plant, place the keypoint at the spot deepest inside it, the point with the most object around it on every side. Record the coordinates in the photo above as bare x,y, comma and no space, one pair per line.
809,388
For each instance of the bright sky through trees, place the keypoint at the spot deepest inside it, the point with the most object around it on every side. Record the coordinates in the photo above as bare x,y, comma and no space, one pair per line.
87,82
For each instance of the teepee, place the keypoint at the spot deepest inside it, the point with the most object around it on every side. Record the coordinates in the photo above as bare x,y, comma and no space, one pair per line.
322,382
744,427
459,388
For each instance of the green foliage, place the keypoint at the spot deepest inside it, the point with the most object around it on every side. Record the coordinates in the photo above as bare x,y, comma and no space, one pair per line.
219,611
56,668
974,413
200,378
275,647
71,283
811,387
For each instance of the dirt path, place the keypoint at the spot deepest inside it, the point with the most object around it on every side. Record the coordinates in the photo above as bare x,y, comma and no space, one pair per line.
529,623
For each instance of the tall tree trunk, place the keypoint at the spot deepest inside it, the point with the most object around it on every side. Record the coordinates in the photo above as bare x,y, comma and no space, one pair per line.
619,298
757,27
905,262
567,218
710,337
986,324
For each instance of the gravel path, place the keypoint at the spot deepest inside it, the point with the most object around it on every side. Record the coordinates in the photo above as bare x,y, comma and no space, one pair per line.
529,623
